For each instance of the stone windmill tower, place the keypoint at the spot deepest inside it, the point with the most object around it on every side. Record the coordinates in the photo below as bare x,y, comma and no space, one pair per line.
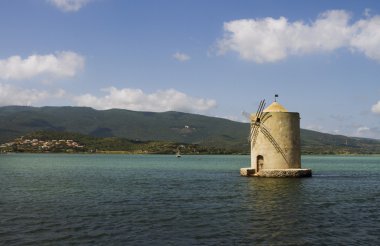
275,143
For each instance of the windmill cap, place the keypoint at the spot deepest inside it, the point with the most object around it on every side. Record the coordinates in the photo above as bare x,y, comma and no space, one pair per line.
275,107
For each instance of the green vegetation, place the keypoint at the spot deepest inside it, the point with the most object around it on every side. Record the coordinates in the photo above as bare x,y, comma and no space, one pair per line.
313,142
130,131
57,142
175,127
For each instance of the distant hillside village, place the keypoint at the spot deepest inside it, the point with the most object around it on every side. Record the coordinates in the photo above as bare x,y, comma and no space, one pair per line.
35,145
46,142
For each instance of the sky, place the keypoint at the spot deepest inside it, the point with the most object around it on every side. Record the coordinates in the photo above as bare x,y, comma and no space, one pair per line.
216,58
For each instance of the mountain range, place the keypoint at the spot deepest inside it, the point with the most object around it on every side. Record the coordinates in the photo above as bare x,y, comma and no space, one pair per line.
16,121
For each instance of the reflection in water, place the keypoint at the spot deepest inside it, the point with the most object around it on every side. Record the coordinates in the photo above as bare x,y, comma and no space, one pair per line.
275,205
304,211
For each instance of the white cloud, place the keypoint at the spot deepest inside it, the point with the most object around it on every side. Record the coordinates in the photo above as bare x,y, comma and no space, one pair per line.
367,12
236,118
11,95
367,132
366,38
136,99
271,40
363,129
69,5
376,108
182,57
60,64
318,128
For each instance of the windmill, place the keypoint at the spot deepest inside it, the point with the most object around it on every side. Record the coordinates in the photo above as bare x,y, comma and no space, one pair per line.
275,143
257,126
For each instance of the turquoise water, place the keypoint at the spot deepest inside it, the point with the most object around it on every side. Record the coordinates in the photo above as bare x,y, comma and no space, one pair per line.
51,199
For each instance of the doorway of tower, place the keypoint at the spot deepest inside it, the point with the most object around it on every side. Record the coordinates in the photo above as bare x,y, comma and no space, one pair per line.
259,162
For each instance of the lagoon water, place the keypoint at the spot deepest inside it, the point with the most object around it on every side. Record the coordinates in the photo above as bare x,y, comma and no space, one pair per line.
51,199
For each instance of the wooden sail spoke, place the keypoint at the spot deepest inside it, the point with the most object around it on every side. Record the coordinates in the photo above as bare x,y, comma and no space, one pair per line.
260,107
255,124
254,129
260,111
265,117
254,136
251,132
273,141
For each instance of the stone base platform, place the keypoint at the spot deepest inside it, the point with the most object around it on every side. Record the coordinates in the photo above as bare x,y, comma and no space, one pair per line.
275,173
247,171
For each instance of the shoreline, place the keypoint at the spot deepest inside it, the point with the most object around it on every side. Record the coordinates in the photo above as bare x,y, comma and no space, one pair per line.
121,152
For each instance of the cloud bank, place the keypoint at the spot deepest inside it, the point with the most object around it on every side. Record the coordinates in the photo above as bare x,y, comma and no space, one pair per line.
271,40
60,64
376,108
136,99
69,5
11,95
182,57
367,132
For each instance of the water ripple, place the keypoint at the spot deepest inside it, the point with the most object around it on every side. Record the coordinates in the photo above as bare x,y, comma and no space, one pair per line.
145,200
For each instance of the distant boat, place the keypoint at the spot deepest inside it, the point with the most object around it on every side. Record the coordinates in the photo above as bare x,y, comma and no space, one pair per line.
179,151
178,155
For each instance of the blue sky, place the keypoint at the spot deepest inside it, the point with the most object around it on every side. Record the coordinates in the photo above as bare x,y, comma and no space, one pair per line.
217,58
